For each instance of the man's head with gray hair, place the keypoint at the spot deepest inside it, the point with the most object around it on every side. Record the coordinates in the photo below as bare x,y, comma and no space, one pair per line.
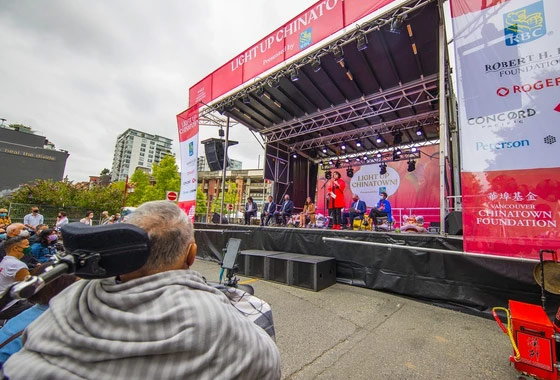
170,231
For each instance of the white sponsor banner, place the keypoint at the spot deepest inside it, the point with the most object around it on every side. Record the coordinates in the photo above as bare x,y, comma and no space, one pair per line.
187,122
508,69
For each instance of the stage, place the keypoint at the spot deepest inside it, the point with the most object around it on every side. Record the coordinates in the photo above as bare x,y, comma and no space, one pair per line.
435,270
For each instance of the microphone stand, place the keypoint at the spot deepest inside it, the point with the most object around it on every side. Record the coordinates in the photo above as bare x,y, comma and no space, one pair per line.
325,210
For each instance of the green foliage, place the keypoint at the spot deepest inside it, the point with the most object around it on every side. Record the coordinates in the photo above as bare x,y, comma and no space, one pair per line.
230,198
166,176
201,201
104,172
140,181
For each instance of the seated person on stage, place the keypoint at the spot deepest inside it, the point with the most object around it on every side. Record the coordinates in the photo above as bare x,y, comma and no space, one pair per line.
308,213
383,209
357,210
250,210
268,210
285,211
161,321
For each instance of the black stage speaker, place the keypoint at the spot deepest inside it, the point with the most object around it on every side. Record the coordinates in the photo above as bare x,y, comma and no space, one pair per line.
454,223
214,152
216,219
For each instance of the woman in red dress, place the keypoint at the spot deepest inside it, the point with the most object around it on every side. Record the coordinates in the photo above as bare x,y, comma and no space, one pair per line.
335,195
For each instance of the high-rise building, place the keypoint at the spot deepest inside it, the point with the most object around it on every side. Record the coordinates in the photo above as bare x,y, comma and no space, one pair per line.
27,156
202,164
135,149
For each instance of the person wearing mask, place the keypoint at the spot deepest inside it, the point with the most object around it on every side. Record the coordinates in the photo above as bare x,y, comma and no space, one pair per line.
123,327
35,237
43,249
14,229
285,211
3,235
250,210
12,269
105,218
357,210
307,213
33,219
268,211
88,219
13,329
335,200
383,208
5,220
61,220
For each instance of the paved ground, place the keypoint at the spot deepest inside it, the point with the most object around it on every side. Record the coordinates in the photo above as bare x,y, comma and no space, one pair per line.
346,332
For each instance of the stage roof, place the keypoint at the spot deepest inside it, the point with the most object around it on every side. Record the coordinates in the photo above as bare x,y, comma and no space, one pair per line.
388,86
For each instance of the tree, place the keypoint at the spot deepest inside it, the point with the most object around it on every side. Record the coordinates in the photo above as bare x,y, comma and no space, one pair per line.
230,198
201,201
105,172
140,181
167,177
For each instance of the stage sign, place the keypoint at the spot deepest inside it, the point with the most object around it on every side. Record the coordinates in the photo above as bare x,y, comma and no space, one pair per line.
415,192
508,55
315,24
187,122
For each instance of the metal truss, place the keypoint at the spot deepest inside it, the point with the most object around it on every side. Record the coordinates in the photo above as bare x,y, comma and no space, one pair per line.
212,120
349,37
393,100
385,157
415,121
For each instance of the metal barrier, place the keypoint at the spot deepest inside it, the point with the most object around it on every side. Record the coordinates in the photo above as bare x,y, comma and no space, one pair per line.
17,212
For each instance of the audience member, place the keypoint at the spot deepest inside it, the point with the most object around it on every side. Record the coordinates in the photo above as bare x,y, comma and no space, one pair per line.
308,213
88,218
105,219
14,229
250,210
383,208
12,269
40,300
43,249
5,220
3,235
268,211
285,211
33,219
35,236
160,322
357,210
61,220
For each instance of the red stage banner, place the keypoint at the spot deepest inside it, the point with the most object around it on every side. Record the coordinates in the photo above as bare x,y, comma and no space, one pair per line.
415,192
262,56
356,9
201,92
508,70
225,79
187,123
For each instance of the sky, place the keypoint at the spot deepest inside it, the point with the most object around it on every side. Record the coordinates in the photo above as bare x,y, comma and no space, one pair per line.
82,72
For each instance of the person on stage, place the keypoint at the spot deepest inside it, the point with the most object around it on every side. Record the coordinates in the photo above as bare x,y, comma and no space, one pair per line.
335,200
383,209
285,211
307,213
268,210
357,210
250,210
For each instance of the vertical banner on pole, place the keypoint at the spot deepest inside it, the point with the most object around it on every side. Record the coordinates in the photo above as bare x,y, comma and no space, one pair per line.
187,122
508,68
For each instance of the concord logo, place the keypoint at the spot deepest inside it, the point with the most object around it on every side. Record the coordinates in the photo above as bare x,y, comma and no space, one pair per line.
503,118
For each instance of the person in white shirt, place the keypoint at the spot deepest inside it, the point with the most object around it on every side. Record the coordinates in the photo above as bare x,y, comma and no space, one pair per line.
61,220
12,269
88,219
32,220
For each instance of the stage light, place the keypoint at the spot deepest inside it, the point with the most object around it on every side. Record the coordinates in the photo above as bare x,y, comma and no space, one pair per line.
230,106
274,83
328,174
383,169
413,149
346,159
343,146
379,140
349,75
322,163
294,155
330,162
418,132
325,149
358,143
411,165
260,91
221,132
396,25
245,99
396,155
362,43
338,54
337,164
294,74
399,152
350,172
316,65
222,110
397,138
277,104
379,155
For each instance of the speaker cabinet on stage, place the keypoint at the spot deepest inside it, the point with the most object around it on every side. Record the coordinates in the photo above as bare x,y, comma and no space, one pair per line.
454,223
214,155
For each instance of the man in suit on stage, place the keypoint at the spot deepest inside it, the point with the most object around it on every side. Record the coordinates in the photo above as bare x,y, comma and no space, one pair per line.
285,211
268,210
357,210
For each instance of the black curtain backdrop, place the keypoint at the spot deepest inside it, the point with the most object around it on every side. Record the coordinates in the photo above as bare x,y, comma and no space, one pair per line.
298,177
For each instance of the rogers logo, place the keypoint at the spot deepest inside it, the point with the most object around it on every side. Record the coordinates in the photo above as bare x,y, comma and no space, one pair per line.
529,87
503,91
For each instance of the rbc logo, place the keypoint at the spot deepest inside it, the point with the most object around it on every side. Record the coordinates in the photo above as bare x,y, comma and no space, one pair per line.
191,148
525,24
305,38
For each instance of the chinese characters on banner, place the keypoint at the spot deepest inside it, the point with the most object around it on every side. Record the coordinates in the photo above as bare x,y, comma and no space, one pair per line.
187,122
508,67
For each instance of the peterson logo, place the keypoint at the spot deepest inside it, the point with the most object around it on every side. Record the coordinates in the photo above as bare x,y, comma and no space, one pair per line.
524,24
502,145
529,87
502,119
